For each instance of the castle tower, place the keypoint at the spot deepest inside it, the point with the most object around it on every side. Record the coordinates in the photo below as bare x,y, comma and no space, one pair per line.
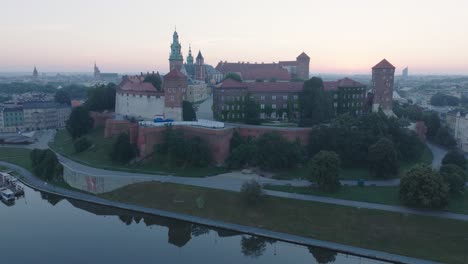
175,86
190,57
97,72
382,86
175,58
302,70
35,74
200,73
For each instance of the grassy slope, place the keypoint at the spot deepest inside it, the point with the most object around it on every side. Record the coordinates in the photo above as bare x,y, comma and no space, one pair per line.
417,236
18,156
98,156
355,173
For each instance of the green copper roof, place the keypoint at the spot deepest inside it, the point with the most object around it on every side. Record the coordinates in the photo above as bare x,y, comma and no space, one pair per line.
176,53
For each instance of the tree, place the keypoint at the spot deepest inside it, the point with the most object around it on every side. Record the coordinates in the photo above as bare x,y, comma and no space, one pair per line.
454,176
188,113
45,165
101,98
62,97
251,192
233,76
275,152
325,170
455,157
253,246
423,187
79,123
315,104
155,80
251,111
383,161
440,99
268,110
444,138
122,150
432,122
198,153
243,155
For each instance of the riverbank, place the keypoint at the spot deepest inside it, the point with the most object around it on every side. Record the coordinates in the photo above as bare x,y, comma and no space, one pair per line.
452,253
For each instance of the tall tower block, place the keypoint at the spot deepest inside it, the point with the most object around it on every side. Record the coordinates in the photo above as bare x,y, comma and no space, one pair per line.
383,75
175,86
303,62
175,58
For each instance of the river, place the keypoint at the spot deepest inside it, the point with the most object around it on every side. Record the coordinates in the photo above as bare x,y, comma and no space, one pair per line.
44,228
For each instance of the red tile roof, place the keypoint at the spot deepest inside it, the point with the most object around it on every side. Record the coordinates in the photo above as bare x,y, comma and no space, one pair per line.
349,83
175,73
230,83
384,64
249,71
136,84
346,83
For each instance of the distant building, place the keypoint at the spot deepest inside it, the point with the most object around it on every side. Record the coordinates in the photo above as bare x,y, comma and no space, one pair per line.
108,77
404,73
13,118
349,96
457,123
35,74
45,115
382,87
281,71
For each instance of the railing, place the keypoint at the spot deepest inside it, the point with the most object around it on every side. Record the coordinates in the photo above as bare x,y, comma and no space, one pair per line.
199,123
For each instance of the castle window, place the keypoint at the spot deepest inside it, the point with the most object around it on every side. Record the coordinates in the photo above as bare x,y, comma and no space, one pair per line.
295,97
262,106
262,97
273,97
273,106
285,97
285,106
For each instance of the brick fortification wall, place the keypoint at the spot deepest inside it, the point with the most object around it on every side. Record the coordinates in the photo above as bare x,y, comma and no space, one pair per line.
218,139
100,119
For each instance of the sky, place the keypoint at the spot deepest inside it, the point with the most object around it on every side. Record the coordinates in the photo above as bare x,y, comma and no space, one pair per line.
340,36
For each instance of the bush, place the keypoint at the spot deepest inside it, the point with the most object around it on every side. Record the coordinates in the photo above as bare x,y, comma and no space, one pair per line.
81,144
80,122
325,170
455,157
251,192
45,165
454,176
423,187
122,150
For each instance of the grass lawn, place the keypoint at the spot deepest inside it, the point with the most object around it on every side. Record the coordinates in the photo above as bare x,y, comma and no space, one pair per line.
98,156
370,194
410,235
17,156
354,173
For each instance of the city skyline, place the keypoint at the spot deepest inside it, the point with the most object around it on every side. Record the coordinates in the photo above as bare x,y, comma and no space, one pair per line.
134,37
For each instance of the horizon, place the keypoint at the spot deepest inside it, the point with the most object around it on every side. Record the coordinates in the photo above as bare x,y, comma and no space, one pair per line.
66,41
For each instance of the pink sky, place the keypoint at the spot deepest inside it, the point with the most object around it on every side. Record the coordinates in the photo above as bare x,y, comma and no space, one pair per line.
429,36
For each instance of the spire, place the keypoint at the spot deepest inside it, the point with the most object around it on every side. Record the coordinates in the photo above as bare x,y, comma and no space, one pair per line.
176,53
199,56
35,73
190,57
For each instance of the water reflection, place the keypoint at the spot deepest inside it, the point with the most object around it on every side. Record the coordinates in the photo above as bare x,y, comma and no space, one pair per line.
323,255
90,233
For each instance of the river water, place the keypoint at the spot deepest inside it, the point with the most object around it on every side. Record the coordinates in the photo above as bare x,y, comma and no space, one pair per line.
43,228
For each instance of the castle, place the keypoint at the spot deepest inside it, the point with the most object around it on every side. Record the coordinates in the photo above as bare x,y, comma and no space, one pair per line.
139,98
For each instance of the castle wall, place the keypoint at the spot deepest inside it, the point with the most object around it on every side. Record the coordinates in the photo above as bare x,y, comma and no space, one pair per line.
100,119
139,105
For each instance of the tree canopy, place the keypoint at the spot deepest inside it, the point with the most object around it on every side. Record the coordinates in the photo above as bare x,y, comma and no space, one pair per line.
232,75
455,157
325,170
45,165
454,176
315,104
154,79
383,162
440,99
122,150
188,113
79,123
101,98
62,97
251,111
423,187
